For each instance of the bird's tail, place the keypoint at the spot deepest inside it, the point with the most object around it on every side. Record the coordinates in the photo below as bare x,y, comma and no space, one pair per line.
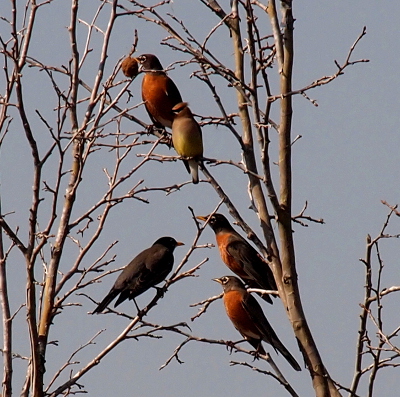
194,170
285,353
106,301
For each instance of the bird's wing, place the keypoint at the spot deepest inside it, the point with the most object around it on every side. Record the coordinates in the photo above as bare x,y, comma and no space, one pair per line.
154,121
148,269
264,327
134,283
253,265
173,92
257,315
130,273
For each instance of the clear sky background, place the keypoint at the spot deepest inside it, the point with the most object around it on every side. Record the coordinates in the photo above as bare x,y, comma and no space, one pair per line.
345,163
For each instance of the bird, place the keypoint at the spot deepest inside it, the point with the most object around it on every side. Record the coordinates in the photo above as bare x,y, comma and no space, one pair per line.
249,319
146,270
187,138
159,92
240,257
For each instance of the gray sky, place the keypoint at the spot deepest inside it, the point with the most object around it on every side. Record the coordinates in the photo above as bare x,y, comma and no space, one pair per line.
345,163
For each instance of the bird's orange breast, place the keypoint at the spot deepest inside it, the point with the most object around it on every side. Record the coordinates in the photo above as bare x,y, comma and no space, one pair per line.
155,96
223,240
239,316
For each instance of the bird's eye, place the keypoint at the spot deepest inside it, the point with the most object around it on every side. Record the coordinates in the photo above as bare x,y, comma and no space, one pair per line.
142,59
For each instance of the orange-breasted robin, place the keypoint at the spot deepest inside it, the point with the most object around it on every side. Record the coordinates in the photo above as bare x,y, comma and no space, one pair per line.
146,270
187,138
240,257
249,319
159,92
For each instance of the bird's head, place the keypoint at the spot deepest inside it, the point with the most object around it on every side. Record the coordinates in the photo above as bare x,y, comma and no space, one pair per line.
229,283
182,109
216,221
168,242
148,63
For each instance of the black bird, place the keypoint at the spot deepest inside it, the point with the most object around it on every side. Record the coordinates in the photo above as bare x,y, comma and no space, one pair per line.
146,270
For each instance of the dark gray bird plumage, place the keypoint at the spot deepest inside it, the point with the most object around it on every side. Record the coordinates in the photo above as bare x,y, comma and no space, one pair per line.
146,270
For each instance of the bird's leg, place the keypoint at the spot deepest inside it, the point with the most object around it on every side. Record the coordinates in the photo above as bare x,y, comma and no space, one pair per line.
160,291
160,132
151,129
139,311
167,139
259,351
230,345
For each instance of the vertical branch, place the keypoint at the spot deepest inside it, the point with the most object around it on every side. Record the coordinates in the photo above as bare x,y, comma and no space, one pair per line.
19,55
319,375
251,33
75,176
78,160
378,354
273,15
7,323
273,251
4,298
26,40
94,93
363,319
247,138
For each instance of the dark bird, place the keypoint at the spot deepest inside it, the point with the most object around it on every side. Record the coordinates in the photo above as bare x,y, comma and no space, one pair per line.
146,270
159,92
240,257
248,318
187,138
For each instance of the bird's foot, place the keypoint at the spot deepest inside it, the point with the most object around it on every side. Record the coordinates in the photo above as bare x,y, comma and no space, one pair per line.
166,138
230,346
161,291
151,129
257,353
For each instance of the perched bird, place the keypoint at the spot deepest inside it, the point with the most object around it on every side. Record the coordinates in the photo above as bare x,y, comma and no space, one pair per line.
187,138
146,270
130,67
248,318
240,256
159,92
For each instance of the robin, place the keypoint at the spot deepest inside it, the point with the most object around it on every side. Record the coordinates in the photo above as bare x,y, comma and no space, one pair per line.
240,256
146,270
248,318
159,92
187,138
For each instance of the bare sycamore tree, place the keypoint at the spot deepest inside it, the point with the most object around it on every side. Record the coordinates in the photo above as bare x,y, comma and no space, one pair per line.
86,119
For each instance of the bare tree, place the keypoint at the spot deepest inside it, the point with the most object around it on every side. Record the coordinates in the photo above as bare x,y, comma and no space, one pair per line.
88,121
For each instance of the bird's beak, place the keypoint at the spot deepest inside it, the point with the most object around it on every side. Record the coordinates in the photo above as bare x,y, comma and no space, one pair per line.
203,218
178,243
140,68
218,280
